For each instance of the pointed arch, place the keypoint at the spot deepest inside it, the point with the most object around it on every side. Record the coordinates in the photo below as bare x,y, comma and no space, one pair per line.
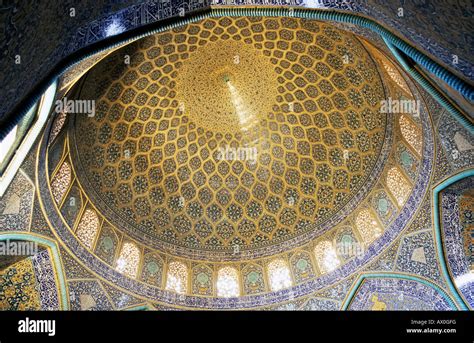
411,133
326,256
228,282
61,181
177,277
279,274
367,225
57,264
88,228
129,260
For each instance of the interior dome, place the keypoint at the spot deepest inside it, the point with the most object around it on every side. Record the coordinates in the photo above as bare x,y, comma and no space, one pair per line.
237,162
231,135
262,156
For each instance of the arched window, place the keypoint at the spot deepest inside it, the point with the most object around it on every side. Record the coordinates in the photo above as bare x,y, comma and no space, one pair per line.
398,185
396,77
177,277
326,256
279,275
61,182
128,260
88,227
57,126
228,282
368,226
411,133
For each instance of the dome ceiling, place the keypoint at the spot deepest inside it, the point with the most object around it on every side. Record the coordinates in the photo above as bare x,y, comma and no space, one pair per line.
228,133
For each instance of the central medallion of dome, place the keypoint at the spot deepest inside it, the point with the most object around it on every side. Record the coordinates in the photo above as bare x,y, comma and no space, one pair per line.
231,94
228,135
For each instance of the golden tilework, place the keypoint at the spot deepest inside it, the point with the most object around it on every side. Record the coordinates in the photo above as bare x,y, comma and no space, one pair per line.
18,288
411,133
326,256
231,132
88,227
466,211
202,280
61,182
398,185
177,277
229,95
57,126
129,260
253,279
196,275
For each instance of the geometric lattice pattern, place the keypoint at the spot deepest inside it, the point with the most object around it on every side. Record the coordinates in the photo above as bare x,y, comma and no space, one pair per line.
395,75
61,182
88,227
177,277
151,160
155,150
368,226
279,275
129,260
398,185
411,133
228,282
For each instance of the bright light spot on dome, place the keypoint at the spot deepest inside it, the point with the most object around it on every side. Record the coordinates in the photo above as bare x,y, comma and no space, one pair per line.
7,143
245,119
114,28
